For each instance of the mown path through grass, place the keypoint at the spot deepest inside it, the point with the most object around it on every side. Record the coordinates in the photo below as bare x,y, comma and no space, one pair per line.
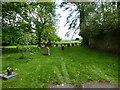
74,65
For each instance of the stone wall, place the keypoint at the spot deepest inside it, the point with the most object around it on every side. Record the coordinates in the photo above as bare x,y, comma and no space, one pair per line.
109,42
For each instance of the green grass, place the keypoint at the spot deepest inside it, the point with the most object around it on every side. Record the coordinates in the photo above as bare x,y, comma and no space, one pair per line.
77,41
74,65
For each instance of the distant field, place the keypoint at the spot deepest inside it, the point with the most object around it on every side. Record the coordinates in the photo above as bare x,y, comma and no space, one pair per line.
75,65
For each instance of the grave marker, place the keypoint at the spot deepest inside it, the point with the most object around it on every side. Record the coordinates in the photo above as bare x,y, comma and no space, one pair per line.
72,44
62,47
10,74
56,45
68,45
46,51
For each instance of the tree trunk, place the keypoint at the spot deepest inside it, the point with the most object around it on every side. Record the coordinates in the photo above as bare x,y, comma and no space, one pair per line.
39,36
82,18
39,39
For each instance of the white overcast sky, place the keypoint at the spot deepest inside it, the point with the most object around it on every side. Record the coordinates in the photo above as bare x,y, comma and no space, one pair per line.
61,31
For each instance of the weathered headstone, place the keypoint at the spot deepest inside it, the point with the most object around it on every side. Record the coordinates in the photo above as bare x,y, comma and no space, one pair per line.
72,44
56,45
75,43
46,51
10,74
68,45
62,47
64,44
9,71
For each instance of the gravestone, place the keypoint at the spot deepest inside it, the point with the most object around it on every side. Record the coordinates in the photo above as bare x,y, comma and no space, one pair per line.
68,45
46,51
62,47
72,44
64,44
10,74
75,43
9,71
56,45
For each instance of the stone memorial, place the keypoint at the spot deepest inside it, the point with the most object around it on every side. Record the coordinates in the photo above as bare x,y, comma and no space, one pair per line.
68,45
46,51
56,45
72,44
64,44
10,74
75,43
62,47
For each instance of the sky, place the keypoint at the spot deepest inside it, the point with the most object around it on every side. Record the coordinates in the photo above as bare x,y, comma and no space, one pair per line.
61,30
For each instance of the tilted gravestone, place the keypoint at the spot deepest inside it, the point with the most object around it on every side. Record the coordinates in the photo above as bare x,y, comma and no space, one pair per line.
62,47
46,51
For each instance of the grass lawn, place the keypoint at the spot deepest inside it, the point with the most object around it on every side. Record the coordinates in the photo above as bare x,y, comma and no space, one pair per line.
74,65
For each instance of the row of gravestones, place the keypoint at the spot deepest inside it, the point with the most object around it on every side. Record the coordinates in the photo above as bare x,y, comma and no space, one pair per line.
67,44
47,51
63,44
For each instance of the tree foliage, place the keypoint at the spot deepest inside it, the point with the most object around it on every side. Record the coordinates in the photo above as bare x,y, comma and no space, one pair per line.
95,18
35,18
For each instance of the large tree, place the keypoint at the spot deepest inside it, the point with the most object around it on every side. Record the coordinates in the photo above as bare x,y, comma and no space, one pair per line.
94,18
33,17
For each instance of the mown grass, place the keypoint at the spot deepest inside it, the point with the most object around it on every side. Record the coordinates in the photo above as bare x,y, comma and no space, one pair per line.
74,65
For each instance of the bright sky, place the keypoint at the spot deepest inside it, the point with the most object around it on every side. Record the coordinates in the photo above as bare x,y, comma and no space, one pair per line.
61,31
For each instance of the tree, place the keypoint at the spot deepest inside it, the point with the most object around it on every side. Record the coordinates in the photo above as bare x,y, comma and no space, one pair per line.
94,19
27,17
43,14
82,11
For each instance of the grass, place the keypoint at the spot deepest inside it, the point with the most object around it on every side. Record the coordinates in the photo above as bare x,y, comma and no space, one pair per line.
77,41
74,65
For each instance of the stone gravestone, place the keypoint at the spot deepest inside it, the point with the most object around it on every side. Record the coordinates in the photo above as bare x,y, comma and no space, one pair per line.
64,44
75,43
63,86
10,74
56,45
72,44
68,45
46,51
100,84
9,71
62,47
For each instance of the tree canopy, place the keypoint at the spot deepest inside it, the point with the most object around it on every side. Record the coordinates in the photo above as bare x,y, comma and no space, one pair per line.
35,18
95,18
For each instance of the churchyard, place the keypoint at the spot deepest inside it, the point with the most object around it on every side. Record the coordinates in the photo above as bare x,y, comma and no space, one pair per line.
74,65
